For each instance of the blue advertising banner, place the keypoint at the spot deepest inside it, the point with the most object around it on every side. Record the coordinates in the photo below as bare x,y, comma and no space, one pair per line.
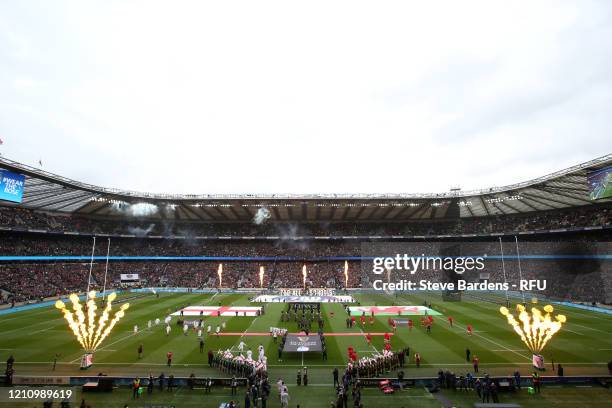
11,186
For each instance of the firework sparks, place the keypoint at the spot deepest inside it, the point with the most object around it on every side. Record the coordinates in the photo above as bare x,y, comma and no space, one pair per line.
535,329
90,330
261,276
304,275
346,274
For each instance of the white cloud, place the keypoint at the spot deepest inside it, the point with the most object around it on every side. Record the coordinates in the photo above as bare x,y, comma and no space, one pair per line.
320,97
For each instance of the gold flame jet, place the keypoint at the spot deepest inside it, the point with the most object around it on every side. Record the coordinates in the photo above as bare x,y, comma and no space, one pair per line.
91,330
346,274
304,275
261,276
535,329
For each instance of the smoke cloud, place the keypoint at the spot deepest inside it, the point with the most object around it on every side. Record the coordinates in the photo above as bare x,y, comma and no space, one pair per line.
141,232
261,216
135,210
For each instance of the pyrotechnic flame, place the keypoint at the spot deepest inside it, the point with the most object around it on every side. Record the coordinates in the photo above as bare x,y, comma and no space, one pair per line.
220,274
535,329
89,332
261,276
346,274
304,275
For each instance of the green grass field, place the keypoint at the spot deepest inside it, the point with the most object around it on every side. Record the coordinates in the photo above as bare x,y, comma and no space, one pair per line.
584,346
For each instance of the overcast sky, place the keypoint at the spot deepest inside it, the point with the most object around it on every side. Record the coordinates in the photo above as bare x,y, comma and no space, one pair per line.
288,97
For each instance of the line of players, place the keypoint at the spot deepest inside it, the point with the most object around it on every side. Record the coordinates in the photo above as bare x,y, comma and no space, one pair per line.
426,322
197,326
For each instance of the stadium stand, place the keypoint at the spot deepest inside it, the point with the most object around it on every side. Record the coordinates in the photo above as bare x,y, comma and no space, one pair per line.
58,217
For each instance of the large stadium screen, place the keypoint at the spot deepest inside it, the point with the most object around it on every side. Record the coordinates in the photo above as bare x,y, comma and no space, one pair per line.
600,183
11,186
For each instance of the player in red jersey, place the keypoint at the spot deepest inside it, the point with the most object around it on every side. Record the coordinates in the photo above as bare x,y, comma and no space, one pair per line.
362,318
410,324
450,321
369,338
469,329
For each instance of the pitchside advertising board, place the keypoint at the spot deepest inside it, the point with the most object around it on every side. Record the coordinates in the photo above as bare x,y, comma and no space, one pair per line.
129,277
11,186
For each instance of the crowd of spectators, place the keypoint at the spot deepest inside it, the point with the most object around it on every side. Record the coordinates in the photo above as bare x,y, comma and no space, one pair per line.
571,279
587,216
35,281
585,279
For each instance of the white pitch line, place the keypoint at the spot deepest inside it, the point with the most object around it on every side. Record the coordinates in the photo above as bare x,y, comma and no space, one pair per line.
25,317
586,327
43,330
496,343
243,334
115,342
572,310
371,345
34,324
571,331
247,329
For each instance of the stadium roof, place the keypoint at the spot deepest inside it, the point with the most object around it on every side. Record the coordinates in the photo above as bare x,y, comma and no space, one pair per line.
46,191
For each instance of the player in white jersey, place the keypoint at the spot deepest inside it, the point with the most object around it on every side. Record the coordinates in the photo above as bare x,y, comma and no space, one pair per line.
218,330
241,346
199,332
157,321
208,330
167,329
249,355
149,324
135,329
185,328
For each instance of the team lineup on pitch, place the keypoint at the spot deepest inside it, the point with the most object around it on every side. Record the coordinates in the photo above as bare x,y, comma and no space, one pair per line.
444,346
